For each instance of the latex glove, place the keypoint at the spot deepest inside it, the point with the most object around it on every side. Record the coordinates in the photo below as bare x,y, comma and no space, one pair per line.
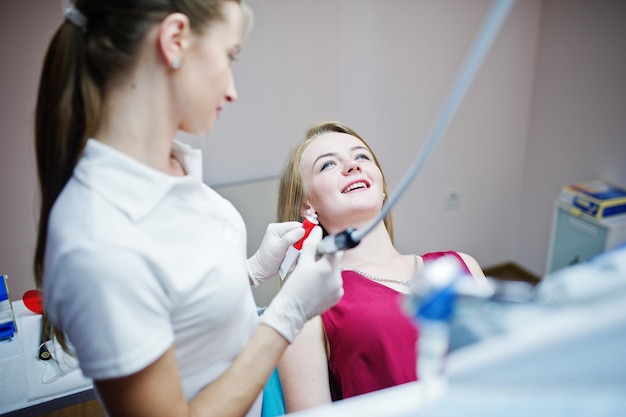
312,288
264,264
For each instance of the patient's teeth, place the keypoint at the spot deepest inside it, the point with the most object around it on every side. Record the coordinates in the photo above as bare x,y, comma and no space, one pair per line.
356,185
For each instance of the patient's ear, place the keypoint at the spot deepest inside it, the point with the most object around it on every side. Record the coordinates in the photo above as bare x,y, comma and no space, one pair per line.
306,208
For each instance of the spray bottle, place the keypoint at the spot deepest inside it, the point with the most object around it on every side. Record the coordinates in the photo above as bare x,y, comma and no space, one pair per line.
309,222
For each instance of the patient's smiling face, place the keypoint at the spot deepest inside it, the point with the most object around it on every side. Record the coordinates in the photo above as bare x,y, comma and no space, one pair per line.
344,186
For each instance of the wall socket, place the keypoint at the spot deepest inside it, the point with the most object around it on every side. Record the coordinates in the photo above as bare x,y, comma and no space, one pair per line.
452,198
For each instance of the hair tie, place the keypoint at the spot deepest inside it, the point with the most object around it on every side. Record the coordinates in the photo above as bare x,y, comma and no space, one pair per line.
75,17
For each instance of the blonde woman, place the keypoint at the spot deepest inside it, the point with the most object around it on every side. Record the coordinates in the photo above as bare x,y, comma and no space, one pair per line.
365,342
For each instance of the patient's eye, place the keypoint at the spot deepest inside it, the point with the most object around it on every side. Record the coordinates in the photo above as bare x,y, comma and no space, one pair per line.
326,164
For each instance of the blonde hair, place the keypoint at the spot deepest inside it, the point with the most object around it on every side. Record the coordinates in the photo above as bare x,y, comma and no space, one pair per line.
292,189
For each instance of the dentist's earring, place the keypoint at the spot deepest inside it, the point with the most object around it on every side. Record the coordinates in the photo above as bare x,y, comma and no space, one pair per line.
384,196
175,64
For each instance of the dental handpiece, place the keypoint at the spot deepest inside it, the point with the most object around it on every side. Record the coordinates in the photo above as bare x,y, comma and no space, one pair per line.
351,237
347,239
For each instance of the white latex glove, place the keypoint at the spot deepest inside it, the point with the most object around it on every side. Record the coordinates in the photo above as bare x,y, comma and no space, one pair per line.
312,288
264,264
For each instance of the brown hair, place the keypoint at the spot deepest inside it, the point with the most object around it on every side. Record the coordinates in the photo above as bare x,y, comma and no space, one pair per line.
292,191
79,64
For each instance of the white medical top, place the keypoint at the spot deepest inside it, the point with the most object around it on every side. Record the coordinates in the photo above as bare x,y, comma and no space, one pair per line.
138,260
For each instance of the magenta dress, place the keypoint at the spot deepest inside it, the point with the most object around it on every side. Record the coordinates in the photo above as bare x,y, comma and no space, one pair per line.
372,341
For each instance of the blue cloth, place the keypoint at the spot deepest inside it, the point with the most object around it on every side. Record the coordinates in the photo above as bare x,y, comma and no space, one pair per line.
273,400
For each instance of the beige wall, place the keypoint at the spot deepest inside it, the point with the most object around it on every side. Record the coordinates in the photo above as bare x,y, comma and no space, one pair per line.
577,129
25,28
546,109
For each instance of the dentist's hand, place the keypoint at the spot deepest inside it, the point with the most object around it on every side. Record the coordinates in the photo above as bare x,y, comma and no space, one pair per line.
313,287
264,264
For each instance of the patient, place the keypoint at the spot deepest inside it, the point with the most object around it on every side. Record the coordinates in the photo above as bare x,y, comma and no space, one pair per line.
366,342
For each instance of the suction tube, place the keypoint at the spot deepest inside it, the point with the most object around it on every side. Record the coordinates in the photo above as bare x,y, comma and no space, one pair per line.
498,12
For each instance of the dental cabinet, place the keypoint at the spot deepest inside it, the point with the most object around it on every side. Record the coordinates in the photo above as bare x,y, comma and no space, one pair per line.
577,237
